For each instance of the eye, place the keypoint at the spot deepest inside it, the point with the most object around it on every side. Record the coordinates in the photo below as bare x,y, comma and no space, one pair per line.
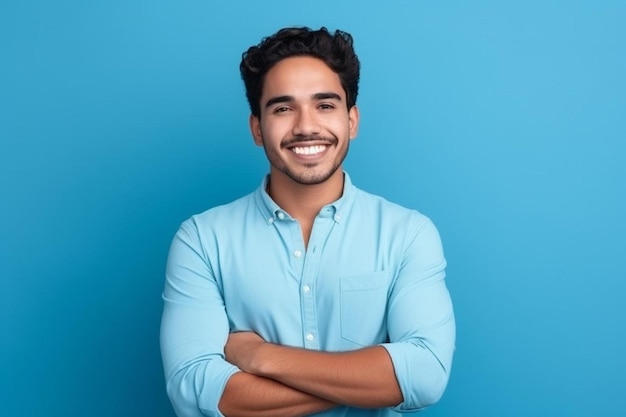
281,109
326,106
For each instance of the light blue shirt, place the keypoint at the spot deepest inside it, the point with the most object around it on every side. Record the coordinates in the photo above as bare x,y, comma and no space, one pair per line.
373,273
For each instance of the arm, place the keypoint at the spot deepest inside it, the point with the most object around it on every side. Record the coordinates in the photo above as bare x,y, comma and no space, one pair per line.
420,319
363,378
194,330
250,395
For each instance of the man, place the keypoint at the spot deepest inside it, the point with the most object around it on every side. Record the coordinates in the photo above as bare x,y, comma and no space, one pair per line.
308,295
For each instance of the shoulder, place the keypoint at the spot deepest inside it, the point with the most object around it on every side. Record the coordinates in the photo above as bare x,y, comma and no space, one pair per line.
395,225
388,210
228,210
224,216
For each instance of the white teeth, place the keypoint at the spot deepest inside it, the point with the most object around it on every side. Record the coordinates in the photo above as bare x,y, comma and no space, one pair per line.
309,150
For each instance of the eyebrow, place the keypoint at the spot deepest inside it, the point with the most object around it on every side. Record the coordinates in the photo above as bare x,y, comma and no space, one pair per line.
326,96
279,99
316,96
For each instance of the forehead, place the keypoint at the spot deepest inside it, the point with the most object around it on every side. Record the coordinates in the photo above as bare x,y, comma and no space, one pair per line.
301,76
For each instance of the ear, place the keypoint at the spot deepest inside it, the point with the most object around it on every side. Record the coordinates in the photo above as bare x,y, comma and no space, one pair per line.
353,119
255,129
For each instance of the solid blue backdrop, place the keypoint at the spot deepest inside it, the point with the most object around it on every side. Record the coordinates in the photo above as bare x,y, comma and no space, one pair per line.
505,122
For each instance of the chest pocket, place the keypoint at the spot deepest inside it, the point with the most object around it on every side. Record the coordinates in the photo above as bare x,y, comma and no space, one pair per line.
363,308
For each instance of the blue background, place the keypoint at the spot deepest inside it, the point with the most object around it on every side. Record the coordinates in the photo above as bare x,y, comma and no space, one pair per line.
505,122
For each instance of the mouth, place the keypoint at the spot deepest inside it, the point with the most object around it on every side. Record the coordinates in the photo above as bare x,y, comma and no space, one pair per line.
310,147
309,150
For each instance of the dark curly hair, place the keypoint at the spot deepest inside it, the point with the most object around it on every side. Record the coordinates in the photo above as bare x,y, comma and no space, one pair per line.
336,50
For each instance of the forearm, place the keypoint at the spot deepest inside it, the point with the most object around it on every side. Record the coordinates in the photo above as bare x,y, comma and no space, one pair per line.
254,396
362,378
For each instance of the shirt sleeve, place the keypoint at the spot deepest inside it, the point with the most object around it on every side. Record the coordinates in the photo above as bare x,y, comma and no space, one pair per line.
421,320
194,329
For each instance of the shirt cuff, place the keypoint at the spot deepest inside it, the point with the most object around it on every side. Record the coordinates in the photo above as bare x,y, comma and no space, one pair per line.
419,374
220,372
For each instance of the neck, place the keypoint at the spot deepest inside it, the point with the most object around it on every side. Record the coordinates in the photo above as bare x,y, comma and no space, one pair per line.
304,202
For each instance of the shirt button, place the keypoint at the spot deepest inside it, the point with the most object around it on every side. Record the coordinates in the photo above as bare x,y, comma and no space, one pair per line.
337,217
306,289
310,337
270,220
281,215
297,253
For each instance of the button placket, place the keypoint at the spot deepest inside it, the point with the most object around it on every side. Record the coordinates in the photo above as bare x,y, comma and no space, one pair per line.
322,226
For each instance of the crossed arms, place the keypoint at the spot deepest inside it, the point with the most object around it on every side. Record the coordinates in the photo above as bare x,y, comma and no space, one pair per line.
284,381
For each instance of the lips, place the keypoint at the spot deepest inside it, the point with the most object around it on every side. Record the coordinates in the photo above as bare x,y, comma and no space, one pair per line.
309,146
309,150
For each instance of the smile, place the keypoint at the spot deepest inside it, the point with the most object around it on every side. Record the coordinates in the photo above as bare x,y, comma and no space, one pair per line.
309,150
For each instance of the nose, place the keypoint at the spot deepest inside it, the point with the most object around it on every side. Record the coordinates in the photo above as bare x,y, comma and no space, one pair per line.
306,123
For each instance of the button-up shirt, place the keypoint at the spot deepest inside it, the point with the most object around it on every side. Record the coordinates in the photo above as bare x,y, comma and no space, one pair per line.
371,274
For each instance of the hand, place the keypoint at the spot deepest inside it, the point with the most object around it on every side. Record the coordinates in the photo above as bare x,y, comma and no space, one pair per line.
241,350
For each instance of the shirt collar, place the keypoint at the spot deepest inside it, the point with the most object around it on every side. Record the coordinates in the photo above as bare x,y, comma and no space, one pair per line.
337,209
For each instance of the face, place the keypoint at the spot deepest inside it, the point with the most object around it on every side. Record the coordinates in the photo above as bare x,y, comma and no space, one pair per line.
305,126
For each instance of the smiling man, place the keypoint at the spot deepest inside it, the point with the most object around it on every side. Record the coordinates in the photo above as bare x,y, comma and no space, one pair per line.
308,295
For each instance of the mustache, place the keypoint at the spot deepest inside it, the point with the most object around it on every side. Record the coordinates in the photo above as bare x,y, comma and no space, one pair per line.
330,140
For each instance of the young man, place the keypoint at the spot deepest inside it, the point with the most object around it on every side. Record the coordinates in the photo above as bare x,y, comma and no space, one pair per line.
308,295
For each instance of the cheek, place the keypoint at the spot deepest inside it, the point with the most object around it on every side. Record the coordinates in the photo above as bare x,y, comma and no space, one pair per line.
341,129
338,124
275,130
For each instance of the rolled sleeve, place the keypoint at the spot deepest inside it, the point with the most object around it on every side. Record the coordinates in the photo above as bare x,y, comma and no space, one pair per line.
421,320
194,329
